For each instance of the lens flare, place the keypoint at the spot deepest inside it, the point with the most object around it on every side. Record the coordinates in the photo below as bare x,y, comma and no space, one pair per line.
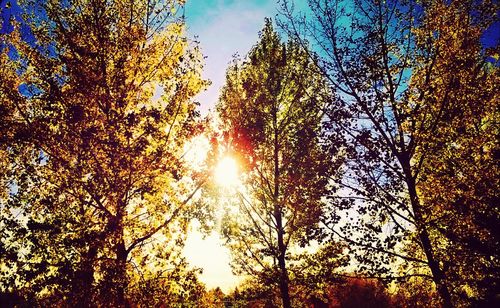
226,172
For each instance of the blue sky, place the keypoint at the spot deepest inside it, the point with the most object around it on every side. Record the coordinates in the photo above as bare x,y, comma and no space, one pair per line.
224,27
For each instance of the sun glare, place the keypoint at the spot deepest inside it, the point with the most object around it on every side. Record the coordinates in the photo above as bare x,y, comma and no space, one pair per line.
195,151
226,172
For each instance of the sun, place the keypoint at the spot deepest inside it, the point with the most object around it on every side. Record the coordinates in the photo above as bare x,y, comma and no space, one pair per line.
226,172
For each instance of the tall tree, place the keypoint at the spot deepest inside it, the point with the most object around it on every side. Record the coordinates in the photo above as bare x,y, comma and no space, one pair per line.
401,70
460,171
271,109
104,182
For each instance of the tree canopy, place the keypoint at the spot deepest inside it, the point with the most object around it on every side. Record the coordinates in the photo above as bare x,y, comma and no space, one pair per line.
272,108
94,162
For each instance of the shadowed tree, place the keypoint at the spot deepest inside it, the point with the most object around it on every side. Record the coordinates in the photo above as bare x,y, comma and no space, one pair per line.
271,110
413,78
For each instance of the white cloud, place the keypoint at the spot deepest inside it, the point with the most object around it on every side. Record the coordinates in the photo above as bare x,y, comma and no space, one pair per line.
224,30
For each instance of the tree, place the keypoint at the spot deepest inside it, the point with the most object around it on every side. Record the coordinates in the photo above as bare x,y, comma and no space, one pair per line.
459,174
101,194
271,110
400,69
360,293
214,298
171,287
316,273
414,292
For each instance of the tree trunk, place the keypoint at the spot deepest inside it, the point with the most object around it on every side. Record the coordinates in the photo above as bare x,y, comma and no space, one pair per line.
117,281
437,274
121,273
285,296
82,292
121,269
281,261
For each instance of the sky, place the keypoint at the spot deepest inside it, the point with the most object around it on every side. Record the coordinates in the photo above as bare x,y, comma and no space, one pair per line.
223,28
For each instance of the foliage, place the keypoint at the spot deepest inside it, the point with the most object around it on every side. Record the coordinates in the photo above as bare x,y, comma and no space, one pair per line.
359,293
95,171
413,79
415,292
459,174
313,274
367,141
172,287
271,108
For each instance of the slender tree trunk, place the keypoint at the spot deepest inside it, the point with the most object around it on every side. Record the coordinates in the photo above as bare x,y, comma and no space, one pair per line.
121,273
437,274
82,292
281,261
285,296
118,276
